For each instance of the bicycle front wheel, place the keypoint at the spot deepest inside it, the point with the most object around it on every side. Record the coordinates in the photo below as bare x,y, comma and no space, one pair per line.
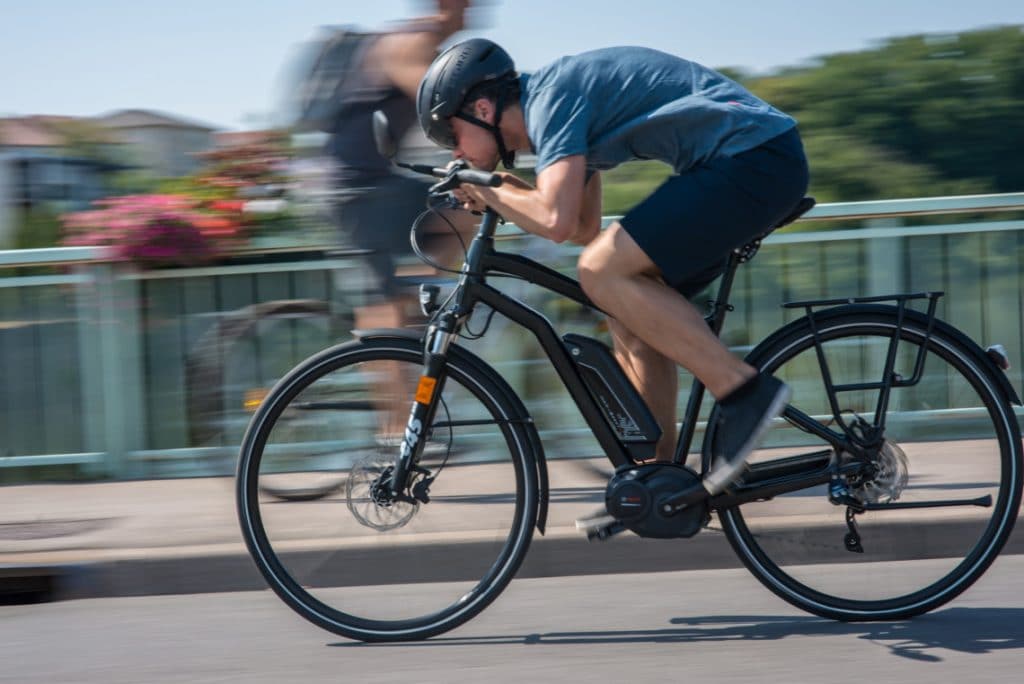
360,563
952,437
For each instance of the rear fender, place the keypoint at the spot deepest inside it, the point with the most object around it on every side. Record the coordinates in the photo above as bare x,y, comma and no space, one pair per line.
978,354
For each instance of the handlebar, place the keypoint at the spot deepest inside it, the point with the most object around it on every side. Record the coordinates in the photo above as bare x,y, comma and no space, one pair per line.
455,174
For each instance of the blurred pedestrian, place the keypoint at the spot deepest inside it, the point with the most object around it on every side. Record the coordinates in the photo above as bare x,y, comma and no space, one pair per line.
373,206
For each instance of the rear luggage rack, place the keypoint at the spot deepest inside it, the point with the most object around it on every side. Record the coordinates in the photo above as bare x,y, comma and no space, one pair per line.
889,379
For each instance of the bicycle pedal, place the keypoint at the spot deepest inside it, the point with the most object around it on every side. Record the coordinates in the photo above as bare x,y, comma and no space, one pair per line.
605,532
600,527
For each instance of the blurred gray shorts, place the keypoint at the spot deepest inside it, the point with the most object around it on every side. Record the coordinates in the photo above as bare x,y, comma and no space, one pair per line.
378,218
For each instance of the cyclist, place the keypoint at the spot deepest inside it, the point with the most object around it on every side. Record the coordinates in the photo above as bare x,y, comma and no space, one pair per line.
739,168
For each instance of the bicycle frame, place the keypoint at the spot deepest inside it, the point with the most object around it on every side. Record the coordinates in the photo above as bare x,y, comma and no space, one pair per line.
483,259
764,481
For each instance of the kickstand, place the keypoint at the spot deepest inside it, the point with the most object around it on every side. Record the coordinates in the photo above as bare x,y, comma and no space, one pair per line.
852,538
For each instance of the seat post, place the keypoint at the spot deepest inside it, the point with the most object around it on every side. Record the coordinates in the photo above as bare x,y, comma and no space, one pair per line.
719,306
715,319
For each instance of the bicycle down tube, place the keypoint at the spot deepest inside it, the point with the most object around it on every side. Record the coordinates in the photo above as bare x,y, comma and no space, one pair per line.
472,288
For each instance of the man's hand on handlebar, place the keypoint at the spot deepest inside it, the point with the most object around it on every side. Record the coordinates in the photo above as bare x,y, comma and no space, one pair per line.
473,197
469,197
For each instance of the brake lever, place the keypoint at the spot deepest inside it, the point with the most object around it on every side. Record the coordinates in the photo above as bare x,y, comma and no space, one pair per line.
446,185
444,200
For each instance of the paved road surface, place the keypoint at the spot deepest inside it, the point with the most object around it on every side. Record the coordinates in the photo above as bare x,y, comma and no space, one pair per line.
655,627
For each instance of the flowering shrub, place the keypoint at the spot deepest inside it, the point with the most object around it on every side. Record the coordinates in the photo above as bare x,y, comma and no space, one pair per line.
158,230
260,162
197,218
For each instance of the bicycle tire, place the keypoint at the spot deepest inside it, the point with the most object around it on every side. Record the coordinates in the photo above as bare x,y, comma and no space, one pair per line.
895,588
404,580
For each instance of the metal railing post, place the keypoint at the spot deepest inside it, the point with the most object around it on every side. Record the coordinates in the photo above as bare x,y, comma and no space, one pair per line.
111,354
884,260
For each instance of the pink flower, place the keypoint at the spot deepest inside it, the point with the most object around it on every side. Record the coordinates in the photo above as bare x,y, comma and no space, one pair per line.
152,230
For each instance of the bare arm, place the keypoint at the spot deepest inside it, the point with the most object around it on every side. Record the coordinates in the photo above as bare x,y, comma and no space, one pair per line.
403,58
590,213
559,208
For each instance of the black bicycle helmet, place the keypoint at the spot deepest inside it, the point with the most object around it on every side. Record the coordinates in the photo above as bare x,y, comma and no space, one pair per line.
457,71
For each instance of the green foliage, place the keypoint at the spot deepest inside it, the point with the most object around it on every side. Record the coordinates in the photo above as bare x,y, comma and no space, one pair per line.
937,113
845,168
133,182
37,228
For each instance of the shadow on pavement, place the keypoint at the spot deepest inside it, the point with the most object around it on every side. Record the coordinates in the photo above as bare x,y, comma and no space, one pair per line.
965,630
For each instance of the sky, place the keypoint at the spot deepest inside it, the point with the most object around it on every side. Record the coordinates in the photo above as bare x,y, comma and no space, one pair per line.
219,62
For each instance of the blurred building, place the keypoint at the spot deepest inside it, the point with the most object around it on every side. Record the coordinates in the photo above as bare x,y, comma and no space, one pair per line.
164,145
39,167
64,163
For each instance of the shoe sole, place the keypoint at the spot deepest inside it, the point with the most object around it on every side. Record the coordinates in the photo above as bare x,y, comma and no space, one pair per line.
726,472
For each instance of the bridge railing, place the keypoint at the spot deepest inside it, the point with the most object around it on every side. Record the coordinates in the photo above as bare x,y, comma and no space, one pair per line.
95,357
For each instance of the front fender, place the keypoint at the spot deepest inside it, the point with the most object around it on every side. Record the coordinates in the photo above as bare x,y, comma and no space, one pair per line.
371,333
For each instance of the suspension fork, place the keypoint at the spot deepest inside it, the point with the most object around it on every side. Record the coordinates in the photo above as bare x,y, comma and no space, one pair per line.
424,406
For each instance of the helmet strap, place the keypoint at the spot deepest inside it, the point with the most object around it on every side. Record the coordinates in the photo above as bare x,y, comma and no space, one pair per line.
508,158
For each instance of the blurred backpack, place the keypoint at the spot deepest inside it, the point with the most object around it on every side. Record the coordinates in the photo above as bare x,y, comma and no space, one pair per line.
323,76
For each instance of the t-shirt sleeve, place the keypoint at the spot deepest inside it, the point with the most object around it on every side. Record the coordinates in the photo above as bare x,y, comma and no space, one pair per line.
558,124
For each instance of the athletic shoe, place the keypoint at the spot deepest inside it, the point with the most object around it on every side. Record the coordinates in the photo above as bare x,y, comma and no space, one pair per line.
743,418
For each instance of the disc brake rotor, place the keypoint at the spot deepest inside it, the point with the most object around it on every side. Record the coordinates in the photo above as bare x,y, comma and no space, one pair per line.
889,479
369,494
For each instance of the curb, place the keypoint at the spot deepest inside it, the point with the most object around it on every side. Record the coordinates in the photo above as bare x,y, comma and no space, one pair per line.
229,571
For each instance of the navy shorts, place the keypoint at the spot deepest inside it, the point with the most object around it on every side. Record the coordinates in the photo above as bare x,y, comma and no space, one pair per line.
691,223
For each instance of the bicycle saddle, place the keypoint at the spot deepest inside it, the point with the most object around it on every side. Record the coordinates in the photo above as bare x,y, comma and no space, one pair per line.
801,208
747,251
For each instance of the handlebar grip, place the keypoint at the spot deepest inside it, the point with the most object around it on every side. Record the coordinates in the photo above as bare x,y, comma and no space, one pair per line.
474,177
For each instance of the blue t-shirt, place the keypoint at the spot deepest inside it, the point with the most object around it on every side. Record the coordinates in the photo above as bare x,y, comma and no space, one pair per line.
622,103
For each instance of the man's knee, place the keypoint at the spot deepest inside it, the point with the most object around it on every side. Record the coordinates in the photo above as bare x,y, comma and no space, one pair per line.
589,272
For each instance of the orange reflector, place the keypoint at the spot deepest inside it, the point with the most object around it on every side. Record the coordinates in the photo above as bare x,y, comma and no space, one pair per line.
253,398
425,390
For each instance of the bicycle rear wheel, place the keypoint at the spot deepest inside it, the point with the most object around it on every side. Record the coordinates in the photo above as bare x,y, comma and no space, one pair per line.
951,437
361,564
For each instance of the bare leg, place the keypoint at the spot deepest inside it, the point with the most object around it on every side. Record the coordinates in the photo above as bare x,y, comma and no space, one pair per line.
624,282
656,378
393,406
